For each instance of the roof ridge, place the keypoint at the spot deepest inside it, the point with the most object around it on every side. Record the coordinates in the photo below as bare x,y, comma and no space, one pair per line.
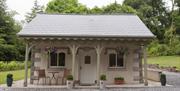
86,14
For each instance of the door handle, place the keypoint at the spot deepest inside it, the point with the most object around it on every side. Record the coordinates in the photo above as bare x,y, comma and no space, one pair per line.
80,67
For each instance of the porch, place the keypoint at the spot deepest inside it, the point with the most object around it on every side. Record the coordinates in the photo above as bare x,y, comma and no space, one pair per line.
87,59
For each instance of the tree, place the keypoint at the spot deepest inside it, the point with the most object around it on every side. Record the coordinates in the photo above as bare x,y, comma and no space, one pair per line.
116,8
36,9
73,7
96,10
135,4
164,23
66,6
177,2
153,13
9,45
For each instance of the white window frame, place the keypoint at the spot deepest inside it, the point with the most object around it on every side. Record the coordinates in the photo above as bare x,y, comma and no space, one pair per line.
57,53
114,52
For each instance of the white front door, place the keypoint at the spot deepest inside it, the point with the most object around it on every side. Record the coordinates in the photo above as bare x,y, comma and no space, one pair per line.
88,68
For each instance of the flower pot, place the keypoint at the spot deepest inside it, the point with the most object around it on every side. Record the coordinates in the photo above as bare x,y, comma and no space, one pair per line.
163,83
102,84
9,80
163,79
118,82
69,84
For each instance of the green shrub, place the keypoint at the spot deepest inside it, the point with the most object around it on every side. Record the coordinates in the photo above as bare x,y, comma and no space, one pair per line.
12,65
9,75
69,77
157,49
176,47
1,65
103,77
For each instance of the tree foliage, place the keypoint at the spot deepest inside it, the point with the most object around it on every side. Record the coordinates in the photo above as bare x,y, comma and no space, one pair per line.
73,7
153,13
66,6
163,22
9,42
36,9
116,8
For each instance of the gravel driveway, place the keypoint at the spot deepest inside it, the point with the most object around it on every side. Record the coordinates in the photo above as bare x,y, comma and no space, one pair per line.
173,78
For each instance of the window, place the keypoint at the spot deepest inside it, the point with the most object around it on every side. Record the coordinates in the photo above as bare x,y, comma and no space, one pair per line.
87,60
61,59
112,60
57,59
53,57
116,59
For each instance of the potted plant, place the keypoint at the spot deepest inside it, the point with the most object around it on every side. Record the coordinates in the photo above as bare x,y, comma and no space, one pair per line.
9,80
69,81
102,81
163,79
119,80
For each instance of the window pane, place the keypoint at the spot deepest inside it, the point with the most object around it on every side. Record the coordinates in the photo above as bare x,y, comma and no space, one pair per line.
112,60
87,60
61,59
120,60
53,57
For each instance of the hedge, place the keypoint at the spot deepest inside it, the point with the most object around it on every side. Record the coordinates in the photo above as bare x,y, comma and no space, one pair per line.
12,65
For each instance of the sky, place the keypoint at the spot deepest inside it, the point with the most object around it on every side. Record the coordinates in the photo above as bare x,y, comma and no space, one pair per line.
24,6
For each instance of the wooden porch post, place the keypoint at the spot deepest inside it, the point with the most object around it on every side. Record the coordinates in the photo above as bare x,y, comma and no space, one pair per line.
73,51
145,65
98,51
26,65
28,49
32,66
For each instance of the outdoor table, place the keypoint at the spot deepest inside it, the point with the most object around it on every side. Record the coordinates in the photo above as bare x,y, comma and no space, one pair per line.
53,76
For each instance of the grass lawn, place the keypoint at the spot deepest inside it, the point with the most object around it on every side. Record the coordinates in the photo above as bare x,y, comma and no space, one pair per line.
17,75
165,61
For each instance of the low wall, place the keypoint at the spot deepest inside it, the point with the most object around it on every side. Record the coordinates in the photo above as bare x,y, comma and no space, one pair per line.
154,74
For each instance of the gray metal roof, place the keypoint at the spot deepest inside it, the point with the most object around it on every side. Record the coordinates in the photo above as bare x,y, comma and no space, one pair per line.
52,25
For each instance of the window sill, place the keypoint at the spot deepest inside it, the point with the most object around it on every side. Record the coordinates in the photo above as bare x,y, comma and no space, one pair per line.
53,67
116,68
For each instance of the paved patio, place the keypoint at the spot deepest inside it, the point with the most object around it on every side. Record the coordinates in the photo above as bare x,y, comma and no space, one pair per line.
153,86
167,88
20,84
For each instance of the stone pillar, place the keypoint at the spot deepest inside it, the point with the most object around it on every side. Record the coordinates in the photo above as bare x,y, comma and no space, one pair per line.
26,65
145,65
141,66
98,49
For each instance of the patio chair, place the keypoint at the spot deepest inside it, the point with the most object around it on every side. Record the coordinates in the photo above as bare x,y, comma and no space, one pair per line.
35,77
66,72
42,75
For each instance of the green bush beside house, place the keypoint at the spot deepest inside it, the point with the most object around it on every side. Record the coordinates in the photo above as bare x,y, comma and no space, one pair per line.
12,65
